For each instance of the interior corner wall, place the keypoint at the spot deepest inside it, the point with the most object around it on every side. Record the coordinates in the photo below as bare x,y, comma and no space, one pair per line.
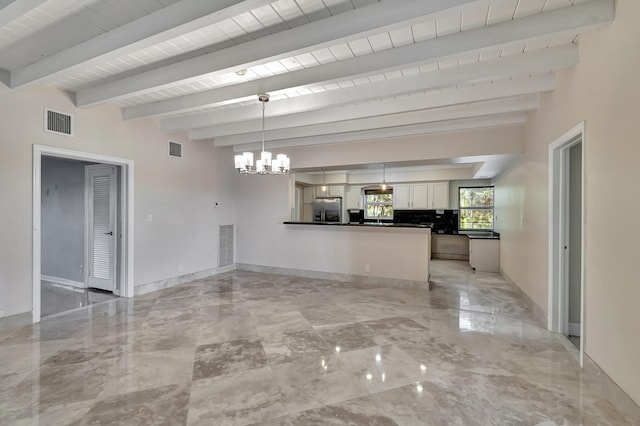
601,90
177,193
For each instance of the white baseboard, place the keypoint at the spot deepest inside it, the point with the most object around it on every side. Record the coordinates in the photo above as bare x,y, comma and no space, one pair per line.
182,279
62,281
574,329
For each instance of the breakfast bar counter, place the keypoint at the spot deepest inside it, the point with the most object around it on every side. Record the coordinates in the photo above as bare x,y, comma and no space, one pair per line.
385,254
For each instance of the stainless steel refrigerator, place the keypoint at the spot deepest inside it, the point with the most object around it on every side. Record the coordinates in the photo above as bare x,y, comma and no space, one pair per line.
327,209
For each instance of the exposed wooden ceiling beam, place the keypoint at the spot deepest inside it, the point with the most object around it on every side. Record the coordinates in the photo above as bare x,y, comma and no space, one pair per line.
517,65
357,23
169,22
478,109
548,24
501,120
12,9
487,91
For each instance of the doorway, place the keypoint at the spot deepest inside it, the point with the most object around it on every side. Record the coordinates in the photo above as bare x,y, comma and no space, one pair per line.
82,229
67,213
566,242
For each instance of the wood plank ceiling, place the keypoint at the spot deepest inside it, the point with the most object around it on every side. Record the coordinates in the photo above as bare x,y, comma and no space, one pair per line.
337,70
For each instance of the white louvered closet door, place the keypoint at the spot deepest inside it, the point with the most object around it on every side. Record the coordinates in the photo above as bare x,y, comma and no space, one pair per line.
101,221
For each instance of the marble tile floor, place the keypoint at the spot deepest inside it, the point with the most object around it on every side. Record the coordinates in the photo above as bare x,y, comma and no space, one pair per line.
55,298
247,348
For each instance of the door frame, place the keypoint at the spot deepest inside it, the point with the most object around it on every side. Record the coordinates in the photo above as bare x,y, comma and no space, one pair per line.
125,248
558,231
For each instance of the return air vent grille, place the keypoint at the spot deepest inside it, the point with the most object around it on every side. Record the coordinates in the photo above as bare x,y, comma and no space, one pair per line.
225,247
175,149
58,122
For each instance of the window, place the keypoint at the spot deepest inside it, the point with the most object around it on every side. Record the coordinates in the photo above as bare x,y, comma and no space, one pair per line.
378,204
476,208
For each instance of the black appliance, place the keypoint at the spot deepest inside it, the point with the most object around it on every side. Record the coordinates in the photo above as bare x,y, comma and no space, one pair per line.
356,216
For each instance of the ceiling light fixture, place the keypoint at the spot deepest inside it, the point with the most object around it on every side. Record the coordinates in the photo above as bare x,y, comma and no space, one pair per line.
384,183
324,180
265,165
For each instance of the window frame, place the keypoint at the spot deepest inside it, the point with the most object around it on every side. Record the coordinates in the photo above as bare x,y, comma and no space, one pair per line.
492,208
379,191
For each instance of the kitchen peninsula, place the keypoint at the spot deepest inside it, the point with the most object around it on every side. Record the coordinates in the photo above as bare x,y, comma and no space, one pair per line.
385,253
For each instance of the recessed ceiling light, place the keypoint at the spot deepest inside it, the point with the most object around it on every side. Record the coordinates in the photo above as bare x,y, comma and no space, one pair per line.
241,72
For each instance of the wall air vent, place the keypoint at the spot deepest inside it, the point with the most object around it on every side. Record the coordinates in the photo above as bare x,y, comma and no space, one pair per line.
175,149
225,246
58,122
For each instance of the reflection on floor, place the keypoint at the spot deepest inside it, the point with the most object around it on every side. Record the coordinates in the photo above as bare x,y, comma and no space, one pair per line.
56,298
257,349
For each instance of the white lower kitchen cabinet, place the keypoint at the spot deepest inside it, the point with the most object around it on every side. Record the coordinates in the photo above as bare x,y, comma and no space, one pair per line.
484,255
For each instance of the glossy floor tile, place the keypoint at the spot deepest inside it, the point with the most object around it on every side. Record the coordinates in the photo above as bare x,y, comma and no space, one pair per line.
256,349
56,298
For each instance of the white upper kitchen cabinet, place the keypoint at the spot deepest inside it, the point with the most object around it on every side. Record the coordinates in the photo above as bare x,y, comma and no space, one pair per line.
401,197
334,191
309,193
420,196
354,197
439,195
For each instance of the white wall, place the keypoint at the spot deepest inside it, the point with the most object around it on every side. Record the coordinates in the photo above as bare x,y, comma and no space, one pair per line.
63,211
602,90
179,193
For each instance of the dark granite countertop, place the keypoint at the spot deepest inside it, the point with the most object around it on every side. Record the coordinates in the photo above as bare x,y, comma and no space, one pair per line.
366,224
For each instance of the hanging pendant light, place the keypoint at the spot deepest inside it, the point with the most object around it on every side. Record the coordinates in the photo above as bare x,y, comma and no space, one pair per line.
266,165
384,182
324,180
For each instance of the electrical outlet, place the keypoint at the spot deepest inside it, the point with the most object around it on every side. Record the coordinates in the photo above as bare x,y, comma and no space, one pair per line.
2,313
180,267
367,268
149,218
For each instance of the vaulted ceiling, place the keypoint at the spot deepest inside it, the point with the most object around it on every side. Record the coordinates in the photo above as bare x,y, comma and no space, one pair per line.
336,70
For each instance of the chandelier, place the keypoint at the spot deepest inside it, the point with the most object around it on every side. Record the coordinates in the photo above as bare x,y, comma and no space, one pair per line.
265,165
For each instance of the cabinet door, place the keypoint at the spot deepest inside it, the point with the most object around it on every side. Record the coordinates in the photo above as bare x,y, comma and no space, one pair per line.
354,197
439,195
420,196
309,194
336,191
401,199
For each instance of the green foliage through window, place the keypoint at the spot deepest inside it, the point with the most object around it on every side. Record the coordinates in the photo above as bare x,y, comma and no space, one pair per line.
476,208
378,205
